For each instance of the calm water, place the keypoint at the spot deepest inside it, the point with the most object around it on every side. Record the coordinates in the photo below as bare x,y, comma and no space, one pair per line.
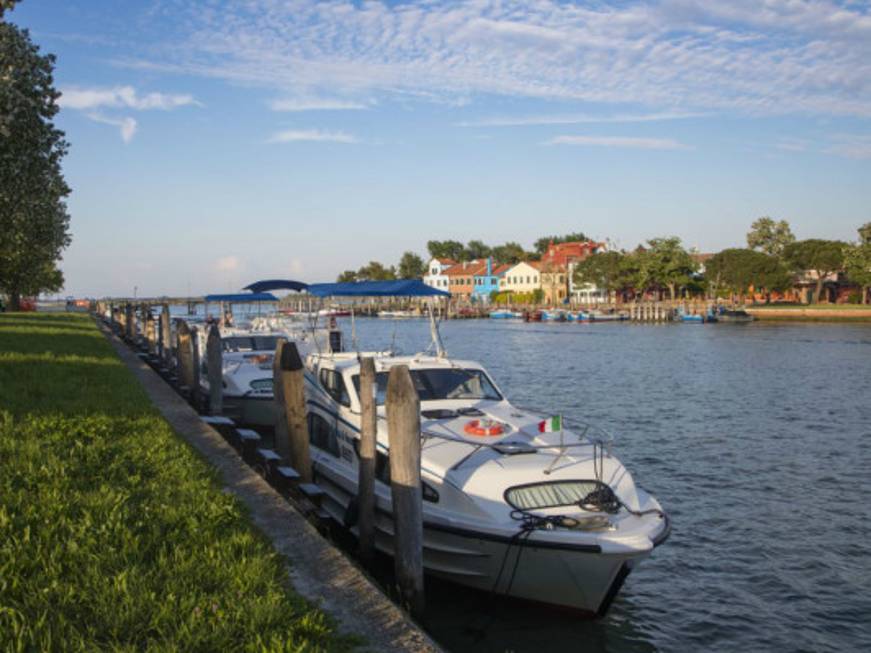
756,439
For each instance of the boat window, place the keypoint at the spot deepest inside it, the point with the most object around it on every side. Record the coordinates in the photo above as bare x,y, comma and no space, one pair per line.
552,494
249,343
440,384
322,434
334,384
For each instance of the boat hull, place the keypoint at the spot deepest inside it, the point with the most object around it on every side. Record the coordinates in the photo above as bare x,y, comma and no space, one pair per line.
253,411
580,578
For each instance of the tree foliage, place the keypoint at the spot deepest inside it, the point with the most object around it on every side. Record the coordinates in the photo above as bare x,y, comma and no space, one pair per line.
376,271
770,236
452,249
736,270
819,257
540,246
857,261
476,249
411,266
664,263
34,224
610,270
865,233
510,252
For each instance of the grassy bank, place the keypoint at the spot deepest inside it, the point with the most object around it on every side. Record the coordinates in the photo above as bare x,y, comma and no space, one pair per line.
113,534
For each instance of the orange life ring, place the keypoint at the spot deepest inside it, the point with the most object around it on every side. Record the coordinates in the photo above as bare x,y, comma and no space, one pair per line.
477,427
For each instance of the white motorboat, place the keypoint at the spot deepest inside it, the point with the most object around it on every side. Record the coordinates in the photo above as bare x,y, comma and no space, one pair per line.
514,503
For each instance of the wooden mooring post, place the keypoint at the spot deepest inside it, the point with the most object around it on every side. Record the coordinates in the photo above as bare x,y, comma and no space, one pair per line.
165,337
282,440
129,322
215,369
293,392
185,357
403,424
366,478
150,335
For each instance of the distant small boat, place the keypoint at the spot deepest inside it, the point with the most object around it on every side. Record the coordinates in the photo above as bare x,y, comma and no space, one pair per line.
579,316
505,315
553,315
532,316
607,317
734,316
399,315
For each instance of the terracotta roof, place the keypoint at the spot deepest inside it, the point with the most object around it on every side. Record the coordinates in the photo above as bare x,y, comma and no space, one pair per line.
465,268
500,268
562,253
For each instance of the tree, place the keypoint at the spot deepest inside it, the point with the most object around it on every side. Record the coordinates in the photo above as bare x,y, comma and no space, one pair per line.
606,270
376,271
477,249
736,270
411,266
821,258
769,236
510,252
34,223
451,249
540,246
666,263
857,261
347,276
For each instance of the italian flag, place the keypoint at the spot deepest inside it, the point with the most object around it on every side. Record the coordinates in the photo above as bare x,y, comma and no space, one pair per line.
551,424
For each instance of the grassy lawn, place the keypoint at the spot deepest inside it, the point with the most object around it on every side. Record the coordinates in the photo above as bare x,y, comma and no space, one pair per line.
114,535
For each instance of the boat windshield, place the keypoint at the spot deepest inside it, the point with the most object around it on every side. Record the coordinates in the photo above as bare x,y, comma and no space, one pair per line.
249,343
441,384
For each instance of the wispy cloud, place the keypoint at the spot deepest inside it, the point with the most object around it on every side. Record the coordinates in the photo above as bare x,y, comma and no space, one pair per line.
777,57
851,146
95,101
619,141
126,125
316,104
311,136
789,144
574,119
121,97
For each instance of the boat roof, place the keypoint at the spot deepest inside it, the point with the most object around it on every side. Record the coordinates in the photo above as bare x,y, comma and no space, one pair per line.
276,284
399,288
383,361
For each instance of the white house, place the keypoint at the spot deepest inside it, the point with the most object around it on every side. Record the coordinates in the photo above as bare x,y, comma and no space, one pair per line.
435,273
524,277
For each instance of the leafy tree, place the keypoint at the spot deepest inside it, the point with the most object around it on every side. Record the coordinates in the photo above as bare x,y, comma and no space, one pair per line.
452,249
820,257
34,224
347,276
411,266
477,249
376,271
857,261
510,252
608,270
737,269
769,236
540,246
665,263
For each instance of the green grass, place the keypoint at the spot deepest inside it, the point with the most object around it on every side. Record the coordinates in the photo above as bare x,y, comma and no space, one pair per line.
114,535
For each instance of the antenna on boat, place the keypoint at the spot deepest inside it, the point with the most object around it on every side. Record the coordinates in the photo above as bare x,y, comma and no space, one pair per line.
436,336
354,332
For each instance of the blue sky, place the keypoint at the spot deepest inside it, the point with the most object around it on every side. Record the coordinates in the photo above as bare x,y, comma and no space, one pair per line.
215,143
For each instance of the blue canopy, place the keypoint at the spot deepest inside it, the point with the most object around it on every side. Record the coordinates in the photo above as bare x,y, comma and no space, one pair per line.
242,298
401,288
276,284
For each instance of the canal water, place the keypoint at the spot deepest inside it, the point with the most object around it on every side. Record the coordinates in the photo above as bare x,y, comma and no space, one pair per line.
756,439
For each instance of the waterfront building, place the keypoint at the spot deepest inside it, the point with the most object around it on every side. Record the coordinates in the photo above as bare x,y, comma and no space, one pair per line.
461,278
557,266
435,276
522,278
486,280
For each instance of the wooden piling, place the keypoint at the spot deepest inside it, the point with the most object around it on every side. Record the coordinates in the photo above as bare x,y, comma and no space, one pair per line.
150,335
293,393
282,440
185,356
366,479
165,337
196,389
215,368
129,322
403,424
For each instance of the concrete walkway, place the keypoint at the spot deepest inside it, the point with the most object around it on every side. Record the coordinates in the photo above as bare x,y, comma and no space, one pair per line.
318,571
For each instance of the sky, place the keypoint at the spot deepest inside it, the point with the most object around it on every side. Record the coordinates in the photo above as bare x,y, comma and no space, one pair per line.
216,143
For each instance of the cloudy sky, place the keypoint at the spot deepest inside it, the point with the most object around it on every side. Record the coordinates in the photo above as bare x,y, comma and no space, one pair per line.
215,143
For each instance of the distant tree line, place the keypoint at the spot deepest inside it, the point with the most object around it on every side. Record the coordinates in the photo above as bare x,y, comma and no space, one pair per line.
773,261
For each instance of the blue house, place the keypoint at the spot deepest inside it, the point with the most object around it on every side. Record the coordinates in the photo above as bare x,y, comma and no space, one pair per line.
486,280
